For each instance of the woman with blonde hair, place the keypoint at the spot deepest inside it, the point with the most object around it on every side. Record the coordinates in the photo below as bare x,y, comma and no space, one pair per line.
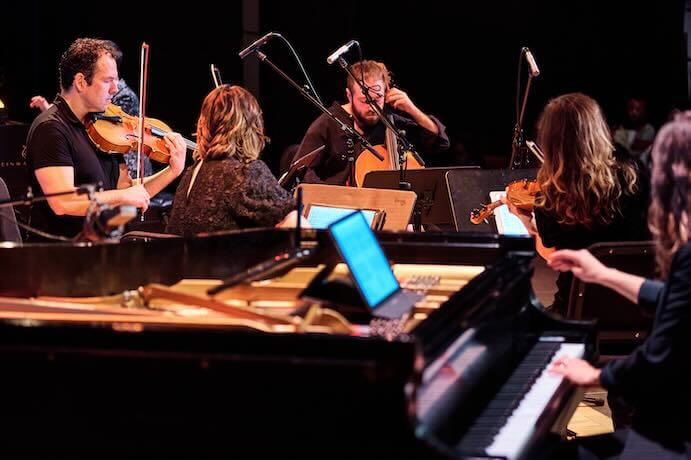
656,377
228,187
587,195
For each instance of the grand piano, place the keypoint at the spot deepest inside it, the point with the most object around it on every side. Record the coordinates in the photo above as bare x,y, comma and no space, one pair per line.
465,378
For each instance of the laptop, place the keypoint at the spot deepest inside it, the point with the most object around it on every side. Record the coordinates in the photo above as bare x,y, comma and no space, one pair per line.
370,269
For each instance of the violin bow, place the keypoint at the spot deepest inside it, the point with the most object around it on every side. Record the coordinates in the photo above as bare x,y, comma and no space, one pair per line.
216,75
143,77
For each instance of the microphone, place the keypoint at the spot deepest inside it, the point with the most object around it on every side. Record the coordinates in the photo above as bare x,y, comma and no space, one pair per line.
534,71
254,46
341,51
275,266
105,223
89,189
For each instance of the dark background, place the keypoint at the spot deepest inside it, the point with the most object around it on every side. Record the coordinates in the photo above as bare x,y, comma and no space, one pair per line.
457,60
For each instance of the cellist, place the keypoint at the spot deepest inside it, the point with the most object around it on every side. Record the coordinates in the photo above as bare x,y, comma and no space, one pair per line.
61,156
334,165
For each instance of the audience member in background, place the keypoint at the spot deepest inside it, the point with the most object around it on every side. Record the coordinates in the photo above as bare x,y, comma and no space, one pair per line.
635,134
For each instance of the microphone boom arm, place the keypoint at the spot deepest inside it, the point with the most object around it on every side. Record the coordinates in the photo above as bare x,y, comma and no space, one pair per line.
347,129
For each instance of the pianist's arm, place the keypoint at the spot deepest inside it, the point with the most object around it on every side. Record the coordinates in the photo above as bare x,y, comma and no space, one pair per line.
663,357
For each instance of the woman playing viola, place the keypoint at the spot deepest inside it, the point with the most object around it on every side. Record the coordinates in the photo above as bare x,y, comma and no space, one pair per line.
588,194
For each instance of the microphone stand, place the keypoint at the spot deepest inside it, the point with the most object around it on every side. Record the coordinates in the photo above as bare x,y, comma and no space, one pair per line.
29,198
403,145
344,127
275,266
519,149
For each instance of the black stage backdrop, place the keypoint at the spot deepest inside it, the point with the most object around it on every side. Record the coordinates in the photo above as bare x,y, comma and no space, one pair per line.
457,60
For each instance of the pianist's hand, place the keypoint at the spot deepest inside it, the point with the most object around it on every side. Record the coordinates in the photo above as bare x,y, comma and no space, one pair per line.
582,263
577,371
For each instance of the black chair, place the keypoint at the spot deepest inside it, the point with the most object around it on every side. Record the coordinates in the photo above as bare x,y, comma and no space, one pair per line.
9,230
622,325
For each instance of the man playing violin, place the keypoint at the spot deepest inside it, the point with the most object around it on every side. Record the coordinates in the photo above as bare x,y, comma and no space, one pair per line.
333,166
61,156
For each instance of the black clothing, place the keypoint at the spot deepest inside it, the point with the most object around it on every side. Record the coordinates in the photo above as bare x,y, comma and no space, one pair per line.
126,98
226,195
656,377
333,167
58,138
630,225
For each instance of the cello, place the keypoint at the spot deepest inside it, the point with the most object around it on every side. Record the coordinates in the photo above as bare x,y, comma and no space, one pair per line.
367,161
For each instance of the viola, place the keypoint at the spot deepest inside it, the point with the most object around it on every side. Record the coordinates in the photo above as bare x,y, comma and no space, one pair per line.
521,193
115,131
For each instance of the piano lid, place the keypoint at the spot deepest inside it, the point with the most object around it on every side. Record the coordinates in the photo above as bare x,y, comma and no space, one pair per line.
106,269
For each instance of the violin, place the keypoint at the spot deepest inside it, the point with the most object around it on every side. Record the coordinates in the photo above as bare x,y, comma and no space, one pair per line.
115,131
521,193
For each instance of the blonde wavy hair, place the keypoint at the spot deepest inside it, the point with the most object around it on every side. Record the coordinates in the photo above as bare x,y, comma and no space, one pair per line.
578,179
670,209
230,125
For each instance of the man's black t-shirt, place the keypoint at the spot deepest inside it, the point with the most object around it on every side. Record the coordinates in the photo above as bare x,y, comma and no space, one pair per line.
58,138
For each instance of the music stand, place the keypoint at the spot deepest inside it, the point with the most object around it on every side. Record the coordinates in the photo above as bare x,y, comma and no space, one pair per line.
469,188
396,204
433,205
298,167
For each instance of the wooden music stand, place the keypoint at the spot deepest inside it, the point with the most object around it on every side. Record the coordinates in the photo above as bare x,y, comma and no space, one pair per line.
397,204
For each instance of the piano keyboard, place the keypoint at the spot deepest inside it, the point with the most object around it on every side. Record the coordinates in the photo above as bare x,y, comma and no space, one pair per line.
506,425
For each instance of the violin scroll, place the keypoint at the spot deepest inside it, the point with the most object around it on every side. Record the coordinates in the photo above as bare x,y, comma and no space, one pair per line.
481,213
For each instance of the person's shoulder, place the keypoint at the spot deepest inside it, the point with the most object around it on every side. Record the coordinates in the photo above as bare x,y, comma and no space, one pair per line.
258,167
684,252
47,118
47,124
681,262
337,110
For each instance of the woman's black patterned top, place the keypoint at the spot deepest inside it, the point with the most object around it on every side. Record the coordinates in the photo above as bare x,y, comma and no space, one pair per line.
226,195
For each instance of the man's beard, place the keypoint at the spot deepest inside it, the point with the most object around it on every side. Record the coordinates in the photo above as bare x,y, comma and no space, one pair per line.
362,121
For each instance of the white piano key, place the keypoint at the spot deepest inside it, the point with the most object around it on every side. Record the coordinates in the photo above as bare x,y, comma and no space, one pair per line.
514,435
